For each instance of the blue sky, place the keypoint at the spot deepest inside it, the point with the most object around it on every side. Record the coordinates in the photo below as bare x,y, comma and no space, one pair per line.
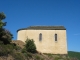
24,13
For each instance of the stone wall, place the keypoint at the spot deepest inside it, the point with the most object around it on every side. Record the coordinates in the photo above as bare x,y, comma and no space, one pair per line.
48,43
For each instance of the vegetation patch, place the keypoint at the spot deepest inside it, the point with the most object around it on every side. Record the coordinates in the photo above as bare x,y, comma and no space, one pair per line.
75,55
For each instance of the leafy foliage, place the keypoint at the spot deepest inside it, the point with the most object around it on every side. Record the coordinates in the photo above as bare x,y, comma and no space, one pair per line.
24,50
7,49
2,17
5,35
30,46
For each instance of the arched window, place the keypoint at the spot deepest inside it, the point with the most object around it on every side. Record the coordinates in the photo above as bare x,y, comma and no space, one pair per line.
55,37
40,37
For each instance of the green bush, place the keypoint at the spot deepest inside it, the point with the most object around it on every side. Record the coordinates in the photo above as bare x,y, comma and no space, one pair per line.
18,56
23,50
30,46
29,55
8,49
5,49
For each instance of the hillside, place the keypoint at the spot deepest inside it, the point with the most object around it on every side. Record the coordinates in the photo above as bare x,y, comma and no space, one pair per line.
74,54
13,52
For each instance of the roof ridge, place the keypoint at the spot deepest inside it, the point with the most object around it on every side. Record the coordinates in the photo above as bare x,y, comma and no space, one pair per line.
44,28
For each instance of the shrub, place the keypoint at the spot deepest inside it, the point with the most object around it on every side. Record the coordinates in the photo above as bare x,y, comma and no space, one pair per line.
30,46
5,49
37,57
23,50
18,56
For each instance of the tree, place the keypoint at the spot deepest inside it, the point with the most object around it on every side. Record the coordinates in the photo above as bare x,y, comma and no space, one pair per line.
2,17
5,35
30,46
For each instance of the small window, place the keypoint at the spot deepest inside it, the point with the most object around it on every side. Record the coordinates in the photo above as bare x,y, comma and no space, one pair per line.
40,37
55,37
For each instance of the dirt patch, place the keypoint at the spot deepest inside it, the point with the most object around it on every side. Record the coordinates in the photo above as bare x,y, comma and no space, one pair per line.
19,43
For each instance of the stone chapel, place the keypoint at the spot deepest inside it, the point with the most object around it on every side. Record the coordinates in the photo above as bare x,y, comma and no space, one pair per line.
48,39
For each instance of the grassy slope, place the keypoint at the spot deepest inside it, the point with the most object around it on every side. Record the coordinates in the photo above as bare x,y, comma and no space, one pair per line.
74,54
15,52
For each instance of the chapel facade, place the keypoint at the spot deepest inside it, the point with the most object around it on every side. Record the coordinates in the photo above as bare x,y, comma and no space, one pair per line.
48,39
